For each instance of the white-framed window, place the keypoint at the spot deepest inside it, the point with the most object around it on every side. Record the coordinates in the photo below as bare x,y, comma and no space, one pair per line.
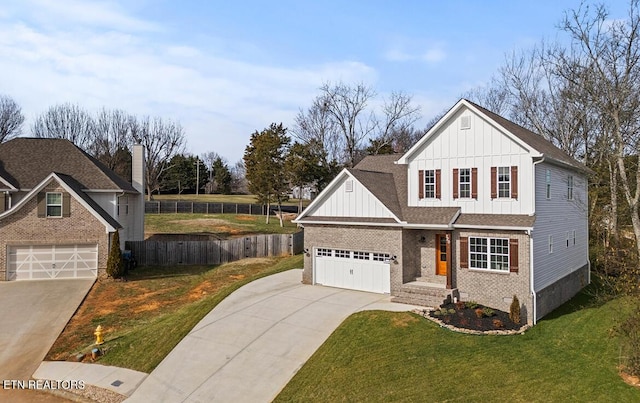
550,243
342,253
361,255
504,182
54,204
380,257
430,184
548,183
323,252
123,205
570,187
489,253
465,182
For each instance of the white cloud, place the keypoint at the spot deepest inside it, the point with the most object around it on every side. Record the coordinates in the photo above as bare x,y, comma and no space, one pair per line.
408,51
219,100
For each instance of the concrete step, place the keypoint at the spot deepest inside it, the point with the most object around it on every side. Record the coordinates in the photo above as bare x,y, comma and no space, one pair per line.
420,299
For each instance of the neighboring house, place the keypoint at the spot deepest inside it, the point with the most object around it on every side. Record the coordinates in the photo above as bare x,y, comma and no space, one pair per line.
305,193
479,209
59,208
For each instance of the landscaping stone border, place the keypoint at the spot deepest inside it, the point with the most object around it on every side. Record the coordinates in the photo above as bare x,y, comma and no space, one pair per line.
425,314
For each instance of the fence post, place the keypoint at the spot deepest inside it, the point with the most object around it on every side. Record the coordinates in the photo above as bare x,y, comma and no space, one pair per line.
191,207
236,208
176,208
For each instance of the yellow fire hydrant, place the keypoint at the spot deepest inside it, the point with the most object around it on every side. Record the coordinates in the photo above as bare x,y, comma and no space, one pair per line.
98,334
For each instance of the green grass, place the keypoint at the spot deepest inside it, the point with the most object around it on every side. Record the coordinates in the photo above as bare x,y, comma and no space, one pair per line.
145,317
384,356
221,225
215,198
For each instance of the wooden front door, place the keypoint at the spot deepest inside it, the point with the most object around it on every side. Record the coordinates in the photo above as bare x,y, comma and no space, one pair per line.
441,254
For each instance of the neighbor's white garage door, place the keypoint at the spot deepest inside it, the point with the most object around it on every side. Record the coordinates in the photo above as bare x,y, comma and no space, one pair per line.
37,262
355,270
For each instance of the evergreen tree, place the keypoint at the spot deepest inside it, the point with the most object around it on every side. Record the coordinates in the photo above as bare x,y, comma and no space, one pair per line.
264,162
115,265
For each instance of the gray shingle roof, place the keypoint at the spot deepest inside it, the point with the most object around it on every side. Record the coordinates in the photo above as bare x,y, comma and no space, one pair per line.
534,140
25,162
73,184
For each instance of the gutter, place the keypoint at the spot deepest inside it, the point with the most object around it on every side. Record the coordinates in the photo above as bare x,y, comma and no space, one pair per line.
531,278
493,227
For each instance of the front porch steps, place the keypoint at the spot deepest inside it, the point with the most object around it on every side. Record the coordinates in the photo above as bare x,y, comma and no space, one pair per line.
424,294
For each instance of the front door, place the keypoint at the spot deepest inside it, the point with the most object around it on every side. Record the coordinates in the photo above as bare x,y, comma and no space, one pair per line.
441,254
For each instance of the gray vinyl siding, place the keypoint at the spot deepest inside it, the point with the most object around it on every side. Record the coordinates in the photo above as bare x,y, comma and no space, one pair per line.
555,216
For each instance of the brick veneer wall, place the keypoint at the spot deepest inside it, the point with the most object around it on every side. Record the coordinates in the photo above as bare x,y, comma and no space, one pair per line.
372,239
24,227
492,288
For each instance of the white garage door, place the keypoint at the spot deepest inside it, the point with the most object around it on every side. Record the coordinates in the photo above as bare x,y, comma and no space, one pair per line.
355,270
38,262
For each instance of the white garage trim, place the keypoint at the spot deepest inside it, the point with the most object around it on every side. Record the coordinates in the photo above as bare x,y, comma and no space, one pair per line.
40,262
354,270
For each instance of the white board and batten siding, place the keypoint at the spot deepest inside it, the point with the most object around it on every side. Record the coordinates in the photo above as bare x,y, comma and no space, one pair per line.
481,145
350,199
559,217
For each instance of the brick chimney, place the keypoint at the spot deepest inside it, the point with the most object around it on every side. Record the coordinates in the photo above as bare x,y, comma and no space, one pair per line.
137,180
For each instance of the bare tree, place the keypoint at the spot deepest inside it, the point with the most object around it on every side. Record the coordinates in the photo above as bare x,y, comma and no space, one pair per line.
162,140
66,121
112,135
316,126
11,118
398,117
347,107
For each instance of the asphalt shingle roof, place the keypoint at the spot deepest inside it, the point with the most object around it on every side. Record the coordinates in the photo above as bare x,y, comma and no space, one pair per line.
25,162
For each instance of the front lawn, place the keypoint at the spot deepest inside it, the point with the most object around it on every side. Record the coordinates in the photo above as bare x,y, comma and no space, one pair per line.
385,356
222,226
145,317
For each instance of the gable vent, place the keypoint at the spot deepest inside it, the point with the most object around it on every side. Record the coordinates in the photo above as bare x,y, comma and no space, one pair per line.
348,186
465,122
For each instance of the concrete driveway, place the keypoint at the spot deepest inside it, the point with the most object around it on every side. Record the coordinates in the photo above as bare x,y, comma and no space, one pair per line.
250,346
33,315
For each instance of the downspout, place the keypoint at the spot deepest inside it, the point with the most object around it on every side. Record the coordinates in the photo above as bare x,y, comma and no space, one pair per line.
531,278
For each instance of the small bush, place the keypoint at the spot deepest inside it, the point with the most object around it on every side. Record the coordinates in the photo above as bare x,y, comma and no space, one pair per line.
479,312
451,311
471,304
488,312
514,311
460,305
497,323
437,312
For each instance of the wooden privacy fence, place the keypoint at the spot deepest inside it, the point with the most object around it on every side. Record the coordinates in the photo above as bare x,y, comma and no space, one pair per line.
168,207
165,253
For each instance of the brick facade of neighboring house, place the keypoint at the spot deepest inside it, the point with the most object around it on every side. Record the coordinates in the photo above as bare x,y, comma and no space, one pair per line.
60,208
479,209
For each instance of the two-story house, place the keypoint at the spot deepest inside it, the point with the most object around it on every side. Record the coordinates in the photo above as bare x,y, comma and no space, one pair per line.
59,209
480,209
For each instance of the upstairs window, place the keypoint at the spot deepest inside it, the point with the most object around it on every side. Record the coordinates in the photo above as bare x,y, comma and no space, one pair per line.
504,182
548,183
570,187
123,205
465,183
429,184
54,204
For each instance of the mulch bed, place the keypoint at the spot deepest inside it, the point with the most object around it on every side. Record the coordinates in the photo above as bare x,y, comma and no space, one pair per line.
466,320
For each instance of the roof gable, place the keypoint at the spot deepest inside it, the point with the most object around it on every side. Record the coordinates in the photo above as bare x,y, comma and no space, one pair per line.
350,195
25,162
73,188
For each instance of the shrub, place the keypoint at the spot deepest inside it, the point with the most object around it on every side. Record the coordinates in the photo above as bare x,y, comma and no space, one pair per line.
471,304
115,265
451,311
488,311
629,333
479,312
460,305
514,311
497,323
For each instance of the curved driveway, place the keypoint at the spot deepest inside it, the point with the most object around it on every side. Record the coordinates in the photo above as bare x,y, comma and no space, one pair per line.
249,346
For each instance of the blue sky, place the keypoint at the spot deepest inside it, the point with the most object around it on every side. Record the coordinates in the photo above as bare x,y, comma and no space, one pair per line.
224,69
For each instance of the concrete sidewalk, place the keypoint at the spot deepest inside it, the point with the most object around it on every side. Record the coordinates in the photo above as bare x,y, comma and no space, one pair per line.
250,346
120,380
